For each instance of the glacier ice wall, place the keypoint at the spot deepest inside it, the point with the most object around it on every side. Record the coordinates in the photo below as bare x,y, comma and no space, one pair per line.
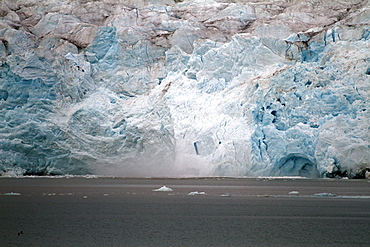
185,88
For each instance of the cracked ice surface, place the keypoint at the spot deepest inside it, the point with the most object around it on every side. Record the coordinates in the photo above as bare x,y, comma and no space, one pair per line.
193,88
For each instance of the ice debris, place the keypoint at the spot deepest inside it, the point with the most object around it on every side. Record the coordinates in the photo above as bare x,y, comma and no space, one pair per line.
325,194
294,193
196,193
163,188
12,194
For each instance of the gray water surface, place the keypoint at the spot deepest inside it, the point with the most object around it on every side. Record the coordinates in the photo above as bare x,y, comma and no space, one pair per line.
231,212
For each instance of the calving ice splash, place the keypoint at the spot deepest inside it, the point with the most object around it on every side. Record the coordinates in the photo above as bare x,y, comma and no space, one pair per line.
129,88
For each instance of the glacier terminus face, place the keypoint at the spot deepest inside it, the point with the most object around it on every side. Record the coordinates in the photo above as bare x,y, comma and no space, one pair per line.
163,88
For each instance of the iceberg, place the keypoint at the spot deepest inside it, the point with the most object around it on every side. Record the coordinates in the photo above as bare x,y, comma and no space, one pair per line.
186,88
12,194
325,194
163,188
194,193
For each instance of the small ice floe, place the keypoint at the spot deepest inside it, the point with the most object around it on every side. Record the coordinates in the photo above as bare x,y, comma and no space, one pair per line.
294,193
226,195
12,194
193,193
163,188
325,194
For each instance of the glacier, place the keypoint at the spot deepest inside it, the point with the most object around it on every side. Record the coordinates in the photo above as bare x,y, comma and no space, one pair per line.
163,88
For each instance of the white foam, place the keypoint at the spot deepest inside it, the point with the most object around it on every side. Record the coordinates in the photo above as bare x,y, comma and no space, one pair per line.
281,177
355,197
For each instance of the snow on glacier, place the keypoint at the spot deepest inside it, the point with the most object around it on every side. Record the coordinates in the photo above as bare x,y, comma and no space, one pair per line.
185,89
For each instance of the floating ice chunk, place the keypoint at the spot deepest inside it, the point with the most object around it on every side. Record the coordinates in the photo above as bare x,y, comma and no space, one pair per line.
163,188
325,194
294,193
196,193
12,194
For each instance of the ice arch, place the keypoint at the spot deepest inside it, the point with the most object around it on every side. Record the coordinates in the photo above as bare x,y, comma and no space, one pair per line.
296,165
